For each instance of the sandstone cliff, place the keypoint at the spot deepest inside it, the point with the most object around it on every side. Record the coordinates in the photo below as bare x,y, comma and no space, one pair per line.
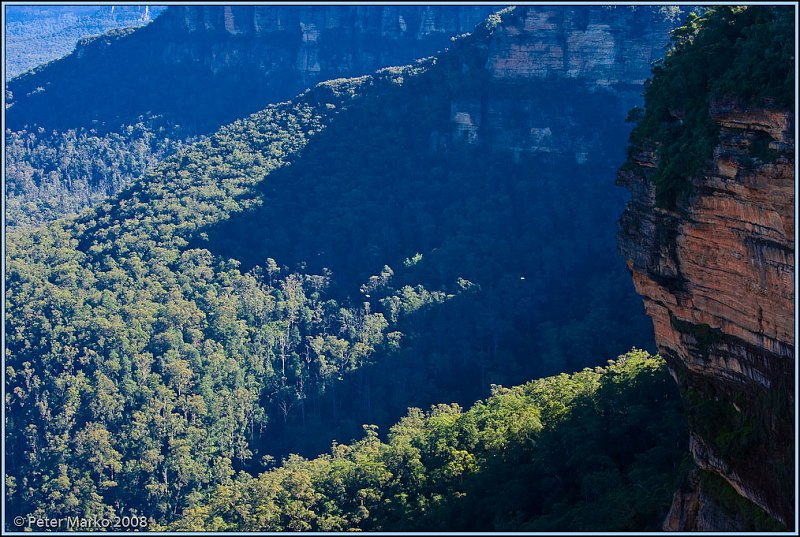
316,43
487,95
548,66
201,66
717,278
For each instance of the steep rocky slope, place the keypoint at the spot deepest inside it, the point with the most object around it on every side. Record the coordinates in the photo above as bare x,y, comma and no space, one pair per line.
716,272
718,281
203,66
575,49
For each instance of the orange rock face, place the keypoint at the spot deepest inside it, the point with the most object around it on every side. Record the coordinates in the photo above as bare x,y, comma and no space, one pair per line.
694,508
717,278
580,42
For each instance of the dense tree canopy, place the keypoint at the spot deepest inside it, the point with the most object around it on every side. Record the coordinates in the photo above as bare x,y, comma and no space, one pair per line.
182,355
203,347
597,450
53,174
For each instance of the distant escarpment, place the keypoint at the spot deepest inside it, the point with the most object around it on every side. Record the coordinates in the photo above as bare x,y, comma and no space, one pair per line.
84,126
588,50
202,66
197,67
709,239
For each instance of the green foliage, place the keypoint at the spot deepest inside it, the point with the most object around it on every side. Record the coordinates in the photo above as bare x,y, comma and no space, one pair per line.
736,54
492,259
129,75
247,297
731,432
594,450
54,174
741,427
139,371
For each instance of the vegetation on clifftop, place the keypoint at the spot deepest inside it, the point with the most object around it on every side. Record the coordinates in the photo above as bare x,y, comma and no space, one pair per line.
741,54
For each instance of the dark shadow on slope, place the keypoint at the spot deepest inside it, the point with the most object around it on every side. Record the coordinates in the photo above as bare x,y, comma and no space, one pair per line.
449,355
534,236
389,178
601,449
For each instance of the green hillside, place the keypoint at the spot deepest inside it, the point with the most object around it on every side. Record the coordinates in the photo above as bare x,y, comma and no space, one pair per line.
151,357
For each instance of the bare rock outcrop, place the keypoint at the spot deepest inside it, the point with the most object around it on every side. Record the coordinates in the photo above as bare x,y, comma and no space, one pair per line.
544,63
717,278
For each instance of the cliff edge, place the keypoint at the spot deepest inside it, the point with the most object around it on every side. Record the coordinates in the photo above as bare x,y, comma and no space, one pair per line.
714,263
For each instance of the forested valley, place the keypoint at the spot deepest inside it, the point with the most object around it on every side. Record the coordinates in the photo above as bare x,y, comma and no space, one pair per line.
310,319
273,287
543,456
36,35
58,173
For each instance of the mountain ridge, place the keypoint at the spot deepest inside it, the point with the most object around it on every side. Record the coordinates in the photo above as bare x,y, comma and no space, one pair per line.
230,75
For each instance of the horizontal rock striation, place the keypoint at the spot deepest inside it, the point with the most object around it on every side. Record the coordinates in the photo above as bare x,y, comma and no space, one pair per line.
321,42
546,65
394,22
717,278
202,66
602,45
